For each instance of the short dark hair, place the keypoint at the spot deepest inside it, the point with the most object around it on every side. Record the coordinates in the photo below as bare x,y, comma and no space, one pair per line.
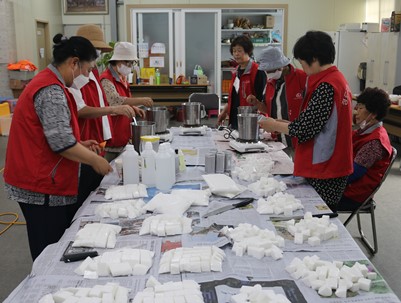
243,41
315,45
75,46
376,101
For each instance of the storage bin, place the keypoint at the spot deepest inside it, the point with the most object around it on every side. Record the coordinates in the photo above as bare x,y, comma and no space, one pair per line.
20,75
225,86
4,109
5,124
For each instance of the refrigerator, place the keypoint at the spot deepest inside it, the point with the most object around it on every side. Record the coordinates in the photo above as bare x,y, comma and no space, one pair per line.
351,49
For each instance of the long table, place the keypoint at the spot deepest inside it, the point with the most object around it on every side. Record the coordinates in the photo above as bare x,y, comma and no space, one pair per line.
49,274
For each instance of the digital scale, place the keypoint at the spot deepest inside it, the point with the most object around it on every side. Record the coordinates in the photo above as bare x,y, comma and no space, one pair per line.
192,130
165,136
248,147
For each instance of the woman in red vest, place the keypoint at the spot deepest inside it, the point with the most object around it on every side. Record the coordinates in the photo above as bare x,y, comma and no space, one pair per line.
94,111
371,148
115,84
284,90
323,128
44,147
246,80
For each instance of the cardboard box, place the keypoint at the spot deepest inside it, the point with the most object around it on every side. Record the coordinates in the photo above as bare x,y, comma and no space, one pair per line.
202,80
269,21
21,75
18,84
17,92
5,124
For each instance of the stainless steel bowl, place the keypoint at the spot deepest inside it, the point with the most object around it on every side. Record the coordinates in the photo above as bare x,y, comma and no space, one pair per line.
248,128
159,115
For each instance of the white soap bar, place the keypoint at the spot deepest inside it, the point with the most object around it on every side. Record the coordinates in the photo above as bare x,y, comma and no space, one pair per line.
325,291
364,284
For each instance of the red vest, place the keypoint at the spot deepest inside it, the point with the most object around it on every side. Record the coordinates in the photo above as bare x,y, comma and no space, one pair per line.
329,153
294,88
246,86
92,128
121,124
30,162
361,189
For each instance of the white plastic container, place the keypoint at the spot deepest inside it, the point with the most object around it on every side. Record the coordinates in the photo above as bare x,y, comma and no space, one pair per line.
164,169
148,164
175,162
130,165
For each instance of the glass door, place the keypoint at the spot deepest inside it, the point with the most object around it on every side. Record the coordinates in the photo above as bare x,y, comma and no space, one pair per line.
155,26
199,43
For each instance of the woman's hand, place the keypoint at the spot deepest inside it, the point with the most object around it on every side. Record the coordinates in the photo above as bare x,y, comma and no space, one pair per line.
268,124
221,118
92,145
146,101
101,166
139,112
252,100
123,110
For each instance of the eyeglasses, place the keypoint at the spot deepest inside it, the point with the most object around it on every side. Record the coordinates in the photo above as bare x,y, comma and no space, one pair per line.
131,63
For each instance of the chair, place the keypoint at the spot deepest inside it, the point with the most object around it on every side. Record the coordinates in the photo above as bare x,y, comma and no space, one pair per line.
209,100
368,207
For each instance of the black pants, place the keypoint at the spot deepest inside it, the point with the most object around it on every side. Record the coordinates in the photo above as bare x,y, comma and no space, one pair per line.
346,204
45,224
89,180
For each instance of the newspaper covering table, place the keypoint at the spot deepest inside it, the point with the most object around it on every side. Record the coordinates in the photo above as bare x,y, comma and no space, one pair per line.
49,274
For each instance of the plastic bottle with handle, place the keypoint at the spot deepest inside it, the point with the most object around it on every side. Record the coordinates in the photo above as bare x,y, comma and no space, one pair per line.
148,163
130,165
164,169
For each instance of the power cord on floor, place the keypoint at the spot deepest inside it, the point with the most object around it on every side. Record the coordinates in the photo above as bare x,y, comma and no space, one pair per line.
10,223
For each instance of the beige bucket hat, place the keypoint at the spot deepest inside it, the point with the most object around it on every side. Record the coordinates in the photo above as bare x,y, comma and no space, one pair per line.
95,35
124,51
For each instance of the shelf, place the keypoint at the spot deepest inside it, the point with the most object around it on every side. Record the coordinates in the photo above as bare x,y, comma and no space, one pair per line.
257,44
246,30
266,12
227,69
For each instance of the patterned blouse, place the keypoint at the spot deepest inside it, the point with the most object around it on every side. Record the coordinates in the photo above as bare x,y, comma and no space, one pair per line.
52,109
309,124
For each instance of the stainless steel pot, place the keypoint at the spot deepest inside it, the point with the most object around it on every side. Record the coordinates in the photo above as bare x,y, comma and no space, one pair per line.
248,128
192,113
141,128
160,116
247,109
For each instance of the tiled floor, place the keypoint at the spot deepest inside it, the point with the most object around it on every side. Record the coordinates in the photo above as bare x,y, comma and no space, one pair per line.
16,262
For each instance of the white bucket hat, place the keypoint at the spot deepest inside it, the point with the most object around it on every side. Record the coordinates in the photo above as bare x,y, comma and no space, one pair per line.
124,51
272,58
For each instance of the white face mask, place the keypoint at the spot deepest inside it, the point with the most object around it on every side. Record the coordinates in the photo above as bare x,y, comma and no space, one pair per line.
98,52
365,122
276,75
80,81
124,70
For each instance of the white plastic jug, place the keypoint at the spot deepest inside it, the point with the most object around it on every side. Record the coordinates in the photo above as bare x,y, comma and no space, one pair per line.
148,164
164,169
130,165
